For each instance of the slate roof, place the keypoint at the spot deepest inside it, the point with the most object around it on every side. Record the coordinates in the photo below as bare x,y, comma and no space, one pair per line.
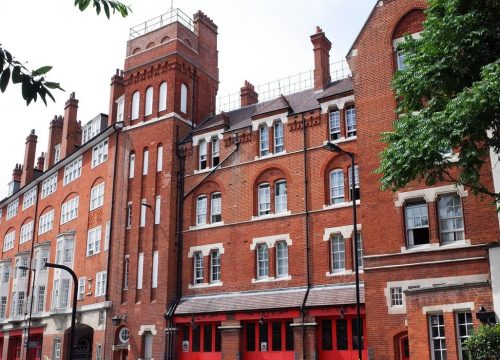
268,300
296,103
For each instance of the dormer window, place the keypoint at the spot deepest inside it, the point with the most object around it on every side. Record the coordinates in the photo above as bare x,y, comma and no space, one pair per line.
215,151
202,155
278,137
264,141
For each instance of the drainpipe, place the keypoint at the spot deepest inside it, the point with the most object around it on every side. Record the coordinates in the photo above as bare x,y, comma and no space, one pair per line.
307,228
117,126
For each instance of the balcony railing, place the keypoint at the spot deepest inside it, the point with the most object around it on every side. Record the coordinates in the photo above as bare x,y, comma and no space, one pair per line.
173,15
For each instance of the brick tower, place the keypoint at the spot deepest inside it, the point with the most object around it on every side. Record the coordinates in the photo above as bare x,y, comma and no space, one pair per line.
168,85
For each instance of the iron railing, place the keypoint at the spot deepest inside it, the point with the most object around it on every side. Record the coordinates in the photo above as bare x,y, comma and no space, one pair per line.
285,86
173,15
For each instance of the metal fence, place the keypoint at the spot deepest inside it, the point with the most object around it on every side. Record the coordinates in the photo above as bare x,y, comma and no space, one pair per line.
288,85
173,15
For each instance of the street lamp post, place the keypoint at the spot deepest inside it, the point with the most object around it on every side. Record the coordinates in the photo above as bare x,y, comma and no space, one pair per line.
75,294
25,268
334,148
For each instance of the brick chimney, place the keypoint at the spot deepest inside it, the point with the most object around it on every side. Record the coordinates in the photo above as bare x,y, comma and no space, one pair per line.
28,172
55,138
322,48
40,162
117,90
70,127
248,95
17,172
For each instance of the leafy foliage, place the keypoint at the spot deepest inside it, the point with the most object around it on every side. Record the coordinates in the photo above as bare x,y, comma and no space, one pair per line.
448,98
484,344
33,83
107,5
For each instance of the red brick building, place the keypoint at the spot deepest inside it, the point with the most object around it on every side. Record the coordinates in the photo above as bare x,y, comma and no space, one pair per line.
58,210
230,236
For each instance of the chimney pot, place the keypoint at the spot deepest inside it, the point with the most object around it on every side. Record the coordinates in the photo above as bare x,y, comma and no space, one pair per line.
321,46
248,95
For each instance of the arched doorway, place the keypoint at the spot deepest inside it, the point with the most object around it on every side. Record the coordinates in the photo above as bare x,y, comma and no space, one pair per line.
84,336
404,348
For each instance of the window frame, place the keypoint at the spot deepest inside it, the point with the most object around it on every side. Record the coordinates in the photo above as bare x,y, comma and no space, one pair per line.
281,199
135,105
341,252
163,96
336,186
215,266
201,211
202,155
215,207
413,204
263,140
73,170
198,268
350,121
441,337
279,134
97,196
148,103
69,210
281,257
334,132
94,239
458,233
264,199
262,259
459,336
100,153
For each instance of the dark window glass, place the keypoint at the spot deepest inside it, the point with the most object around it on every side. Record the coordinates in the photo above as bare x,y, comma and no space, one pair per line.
250,337
196,338
207,338
355,334
289,336
185,333
276,335
263,337
217,338
326,335
341,334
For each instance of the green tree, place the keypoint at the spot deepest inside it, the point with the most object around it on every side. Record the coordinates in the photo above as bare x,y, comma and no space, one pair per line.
34,84
448,98
484,344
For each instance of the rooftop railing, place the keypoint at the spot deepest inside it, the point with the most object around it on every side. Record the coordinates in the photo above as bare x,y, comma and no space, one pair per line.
302,81
173,15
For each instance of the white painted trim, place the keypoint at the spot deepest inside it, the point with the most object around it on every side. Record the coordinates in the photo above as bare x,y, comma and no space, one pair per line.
429,194
345,231
494,255
339,103
205,285
426,263
444,308
271,279
155,120
205,249
121,98
400,40
271,216
340,205
283,117
150,328
270,240
495,170
341,140
207,226
425,283
207,136
269,155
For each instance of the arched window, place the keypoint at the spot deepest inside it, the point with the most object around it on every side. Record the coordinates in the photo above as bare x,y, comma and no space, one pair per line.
148,107
162,100
131,165
136,98
147,342
159,158
184,94
336,186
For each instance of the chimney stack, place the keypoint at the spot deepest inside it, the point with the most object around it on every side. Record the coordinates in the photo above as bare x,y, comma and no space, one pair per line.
322,48
70,127
41,162
17,172
248,95
28,172
55,138
117,90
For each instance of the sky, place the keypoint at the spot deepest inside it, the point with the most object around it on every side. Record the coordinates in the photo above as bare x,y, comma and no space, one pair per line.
259,41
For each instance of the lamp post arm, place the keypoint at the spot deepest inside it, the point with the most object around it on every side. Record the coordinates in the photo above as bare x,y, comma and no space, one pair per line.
75,299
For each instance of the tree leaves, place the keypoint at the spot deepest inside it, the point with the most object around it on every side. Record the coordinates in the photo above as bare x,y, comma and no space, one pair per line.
33,84
107,5
448,98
